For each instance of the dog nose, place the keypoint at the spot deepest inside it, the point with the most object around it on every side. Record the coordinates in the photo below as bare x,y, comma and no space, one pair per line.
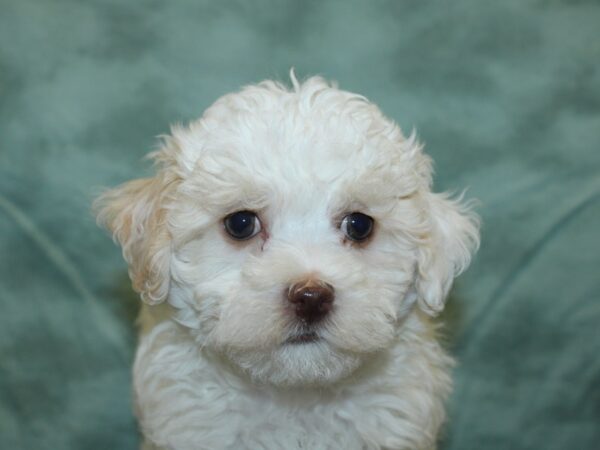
312,299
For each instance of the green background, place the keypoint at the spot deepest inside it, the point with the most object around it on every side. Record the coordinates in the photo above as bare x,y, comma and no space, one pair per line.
505,94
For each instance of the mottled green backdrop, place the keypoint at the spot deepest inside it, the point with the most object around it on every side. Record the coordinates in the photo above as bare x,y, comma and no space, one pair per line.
505,94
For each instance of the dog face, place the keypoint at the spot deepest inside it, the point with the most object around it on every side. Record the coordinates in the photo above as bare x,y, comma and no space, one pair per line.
292,231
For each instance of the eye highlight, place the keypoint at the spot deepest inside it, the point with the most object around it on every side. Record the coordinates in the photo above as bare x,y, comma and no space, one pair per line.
357,226
242,225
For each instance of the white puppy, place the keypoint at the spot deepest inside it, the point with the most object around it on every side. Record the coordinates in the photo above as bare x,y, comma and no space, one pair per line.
290,254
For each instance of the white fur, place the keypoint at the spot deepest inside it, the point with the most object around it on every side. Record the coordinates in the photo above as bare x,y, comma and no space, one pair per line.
212,370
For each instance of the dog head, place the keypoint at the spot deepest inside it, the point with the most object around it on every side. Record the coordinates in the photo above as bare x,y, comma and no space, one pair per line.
292,230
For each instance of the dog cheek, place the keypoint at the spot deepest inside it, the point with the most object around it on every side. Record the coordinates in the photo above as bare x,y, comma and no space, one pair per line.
367,335
369,310
254,313
364,322
249,320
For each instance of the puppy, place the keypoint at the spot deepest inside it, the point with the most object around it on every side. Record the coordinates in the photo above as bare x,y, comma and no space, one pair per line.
290,256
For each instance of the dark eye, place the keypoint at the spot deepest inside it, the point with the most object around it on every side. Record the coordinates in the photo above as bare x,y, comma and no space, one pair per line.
357,226
242,225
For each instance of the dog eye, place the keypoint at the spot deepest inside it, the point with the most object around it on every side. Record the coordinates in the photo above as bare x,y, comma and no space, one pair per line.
357,226
242,225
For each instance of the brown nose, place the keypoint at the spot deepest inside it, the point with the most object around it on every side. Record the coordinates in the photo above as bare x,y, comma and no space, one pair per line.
312,299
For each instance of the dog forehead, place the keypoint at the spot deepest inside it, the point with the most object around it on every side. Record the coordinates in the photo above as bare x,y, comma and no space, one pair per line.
322,147
303,169
291,146
314,127
264,142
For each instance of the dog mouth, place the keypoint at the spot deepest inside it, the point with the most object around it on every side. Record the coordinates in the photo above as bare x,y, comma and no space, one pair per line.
303,338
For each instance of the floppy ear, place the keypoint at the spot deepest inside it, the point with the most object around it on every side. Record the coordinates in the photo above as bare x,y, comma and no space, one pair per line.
452,239
135,215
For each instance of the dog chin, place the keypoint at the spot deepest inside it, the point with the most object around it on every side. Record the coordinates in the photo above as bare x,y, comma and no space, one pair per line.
304,361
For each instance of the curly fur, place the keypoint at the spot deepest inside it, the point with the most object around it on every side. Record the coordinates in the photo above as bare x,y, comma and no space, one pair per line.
213,369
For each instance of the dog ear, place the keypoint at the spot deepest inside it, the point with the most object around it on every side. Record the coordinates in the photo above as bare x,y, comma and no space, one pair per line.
452,239
135,214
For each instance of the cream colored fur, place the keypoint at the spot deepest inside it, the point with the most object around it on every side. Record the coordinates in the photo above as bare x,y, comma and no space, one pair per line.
212,370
